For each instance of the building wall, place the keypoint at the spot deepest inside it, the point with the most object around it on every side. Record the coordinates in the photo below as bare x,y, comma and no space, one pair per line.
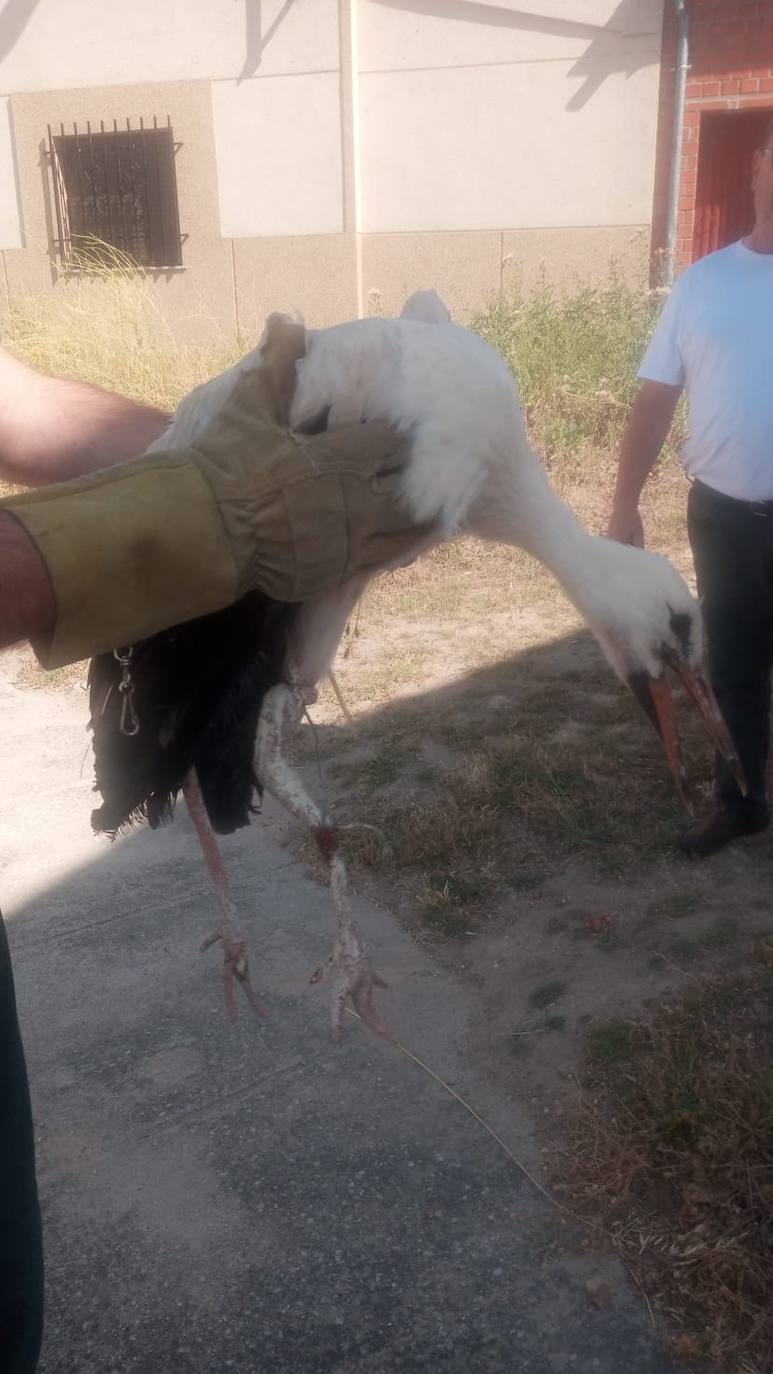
505,121
505,142
731,68
337,154
205,284
65,44
262,216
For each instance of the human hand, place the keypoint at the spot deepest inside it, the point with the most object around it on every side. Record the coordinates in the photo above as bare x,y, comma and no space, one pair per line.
625,526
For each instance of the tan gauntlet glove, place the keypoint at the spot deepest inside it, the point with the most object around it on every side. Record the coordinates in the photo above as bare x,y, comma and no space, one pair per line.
174,535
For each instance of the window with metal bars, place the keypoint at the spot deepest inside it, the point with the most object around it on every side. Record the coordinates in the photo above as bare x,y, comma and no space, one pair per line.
115,189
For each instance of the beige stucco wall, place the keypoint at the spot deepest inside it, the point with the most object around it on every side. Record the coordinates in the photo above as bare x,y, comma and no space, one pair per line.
203,291
519,158
274,69
64,44
495,119
337,154
314,273
393,36
289,183
470,270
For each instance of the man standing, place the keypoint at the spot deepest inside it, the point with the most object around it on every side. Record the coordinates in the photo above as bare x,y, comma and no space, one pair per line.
714,340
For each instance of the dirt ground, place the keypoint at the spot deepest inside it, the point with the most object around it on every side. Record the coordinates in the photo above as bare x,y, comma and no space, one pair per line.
552,882
556,887
527,810
563,944
251,1196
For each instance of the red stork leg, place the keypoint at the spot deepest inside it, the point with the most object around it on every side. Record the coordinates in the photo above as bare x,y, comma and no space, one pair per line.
353,976
236,972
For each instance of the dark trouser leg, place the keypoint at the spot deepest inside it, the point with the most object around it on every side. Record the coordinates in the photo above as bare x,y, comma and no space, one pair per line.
21,1253
733,552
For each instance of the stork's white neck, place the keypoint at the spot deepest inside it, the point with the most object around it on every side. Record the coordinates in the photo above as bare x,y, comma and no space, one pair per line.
532,517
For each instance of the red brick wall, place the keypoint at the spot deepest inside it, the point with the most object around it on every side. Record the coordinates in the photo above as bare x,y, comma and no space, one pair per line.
731,68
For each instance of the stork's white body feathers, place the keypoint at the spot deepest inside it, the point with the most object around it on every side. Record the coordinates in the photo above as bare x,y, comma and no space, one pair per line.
471,469
440,384
426,306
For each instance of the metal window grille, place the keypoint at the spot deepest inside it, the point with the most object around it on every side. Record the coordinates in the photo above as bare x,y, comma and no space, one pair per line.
115,188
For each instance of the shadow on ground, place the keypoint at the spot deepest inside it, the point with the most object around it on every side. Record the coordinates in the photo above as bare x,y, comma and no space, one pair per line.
252,1198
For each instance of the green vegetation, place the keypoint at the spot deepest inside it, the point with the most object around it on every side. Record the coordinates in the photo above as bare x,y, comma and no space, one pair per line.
103,325
575,356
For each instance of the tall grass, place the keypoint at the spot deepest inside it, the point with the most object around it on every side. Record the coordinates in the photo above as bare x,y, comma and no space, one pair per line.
103,325
575,357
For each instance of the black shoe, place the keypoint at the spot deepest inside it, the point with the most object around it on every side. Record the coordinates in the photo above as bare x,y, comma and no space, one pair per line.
706,837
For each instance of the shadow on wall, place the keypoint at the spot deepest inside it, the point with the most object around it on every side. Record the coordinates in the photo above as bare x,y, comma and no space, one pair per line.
604,55
598,61
14,17
256,41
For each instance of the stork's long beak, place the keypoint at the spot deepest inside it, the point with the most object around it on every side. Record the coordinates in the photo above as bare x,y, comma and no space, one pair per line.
655,697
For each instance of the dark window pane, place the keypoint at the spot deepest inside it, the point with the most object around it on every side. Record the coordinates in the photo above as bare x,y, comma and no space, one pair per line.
120,188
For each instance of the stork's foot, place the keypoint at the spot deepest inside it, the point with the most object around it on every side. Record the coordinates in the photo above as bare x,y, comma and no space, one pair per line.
236,973
353,980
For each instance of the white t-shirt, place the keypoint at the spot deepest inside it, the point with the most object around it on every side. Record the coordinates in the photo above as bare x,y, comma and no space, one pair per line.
715,338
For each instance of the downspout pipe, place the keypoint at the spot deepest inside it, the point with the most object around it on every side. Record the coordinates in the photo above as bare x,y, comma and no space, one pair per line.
682,68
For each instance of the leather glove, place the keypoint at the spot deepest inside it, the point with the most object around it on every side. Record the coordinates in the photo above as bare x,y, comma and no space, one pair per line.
177,534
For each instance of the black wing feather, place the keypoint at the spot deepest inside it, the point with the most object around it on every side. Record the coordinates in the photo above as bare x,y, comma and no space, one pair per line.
198,689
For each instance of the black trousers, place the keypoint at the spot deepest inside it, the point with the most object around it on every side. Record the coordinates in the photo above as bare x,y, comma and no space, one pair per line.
732,545
21,1252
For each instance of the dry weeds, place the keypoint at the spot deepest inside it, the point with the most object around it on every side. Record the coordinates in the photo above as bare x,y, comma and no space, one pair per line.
672,1151
104,326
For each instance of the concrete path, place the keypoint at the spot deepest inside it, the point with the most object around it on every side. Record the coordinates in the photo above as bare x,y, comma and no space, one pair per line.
252,1198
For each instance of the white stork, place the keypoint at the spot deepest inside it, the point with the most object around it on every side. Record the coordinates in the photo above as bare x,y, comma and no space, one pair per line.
471,471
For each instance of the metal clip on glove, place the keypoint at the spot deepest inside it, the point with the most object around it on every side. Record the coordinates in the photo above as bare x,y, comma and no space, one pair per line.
175,535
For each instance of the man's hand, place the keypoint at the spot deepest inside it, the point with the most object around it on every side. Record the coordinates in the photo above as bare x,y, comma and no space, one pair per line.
625,526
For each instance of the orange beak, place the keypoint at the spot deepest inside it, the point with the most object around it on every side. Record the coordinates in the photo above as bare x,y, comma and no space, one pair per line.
655,697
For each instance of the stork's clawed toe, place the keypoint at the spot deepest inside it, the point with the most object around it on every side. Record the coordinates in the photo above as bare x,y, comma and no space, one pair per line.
236,973
354,981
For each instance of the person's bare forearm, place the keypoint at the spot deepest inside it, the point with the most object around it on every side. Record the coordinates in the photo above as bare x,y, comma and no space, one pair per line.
648,424
645,434
52,428
27,606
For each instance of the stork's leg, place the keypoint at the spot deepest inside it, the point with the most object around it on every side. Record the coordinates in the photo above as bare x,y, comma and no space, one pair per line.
349,963
235,964
317,632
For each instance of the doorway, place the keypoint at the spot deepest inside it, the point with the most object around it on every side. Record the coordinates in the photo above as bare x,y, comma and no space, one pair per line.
724,210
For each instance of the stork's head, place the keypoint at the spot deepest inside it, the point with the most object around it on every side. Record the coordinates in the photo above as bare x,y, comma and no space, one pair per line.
651,630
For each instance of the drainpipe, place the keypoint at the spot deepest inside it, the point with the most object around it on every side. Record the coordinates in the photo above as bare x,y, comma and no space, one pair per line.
682,67
350,138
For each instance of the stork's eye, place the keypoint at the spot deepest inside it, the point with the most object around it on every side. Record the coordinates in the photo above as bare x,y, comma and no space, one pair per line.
680,624
669,657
